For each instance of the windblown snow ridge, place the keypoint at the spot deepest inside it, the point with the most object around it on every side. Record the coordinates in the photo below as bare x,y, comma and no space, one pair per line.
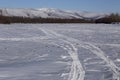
49,13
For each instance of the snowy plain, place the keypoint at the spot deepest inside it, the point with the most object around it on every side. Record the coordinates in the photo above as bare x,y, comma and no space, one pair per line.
60,52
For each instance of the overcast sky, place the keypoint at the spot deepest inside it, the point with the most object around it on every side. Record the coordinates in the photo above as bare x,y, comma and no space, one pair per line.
82,5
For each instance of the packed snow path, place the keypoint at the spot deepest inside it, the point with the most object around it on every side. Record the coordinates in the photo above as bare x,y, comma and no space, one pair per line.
73,52
82,65
77,72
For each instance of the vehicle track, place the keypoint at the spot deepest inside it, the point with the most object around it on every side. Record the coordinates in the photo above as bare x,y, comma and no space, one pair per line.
77,72
94,49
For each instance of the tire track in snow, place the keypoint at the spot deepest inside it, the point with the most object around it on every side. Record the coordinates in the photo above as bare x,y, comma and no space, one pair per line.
94,49
101,54
77,72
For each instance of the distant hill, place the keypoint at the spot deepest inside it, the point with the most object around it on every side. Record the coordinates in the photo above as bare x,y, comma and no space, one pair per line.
49,13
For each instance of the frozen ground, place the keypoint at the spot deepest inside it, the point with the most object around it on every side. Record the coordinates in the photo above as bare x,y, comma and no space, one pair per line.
59,52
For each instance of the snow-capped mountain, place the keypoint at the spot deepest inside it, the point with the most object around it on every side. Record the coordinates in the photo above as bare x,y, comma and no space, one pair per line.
49,13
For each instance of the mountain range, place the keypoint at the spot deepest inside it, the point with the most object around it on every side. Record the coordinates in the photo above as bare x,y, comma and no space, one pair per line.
50,13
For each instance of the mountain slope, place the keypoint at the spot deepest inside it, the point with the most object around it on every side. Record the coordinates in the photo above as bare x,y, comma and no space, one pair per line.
49,13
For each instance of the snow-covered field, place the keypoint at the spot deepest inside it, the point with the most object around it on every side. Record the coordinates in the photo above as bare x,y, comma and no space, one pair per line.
60,52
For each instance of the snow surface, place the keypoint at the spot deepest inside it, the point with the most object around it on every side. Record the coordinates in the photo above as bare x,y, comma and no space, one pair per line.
49,13
59,52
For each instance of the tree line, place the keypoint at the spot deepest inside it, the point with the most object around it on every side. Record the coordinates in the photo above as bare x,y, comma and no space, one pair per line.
8,20
112,18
